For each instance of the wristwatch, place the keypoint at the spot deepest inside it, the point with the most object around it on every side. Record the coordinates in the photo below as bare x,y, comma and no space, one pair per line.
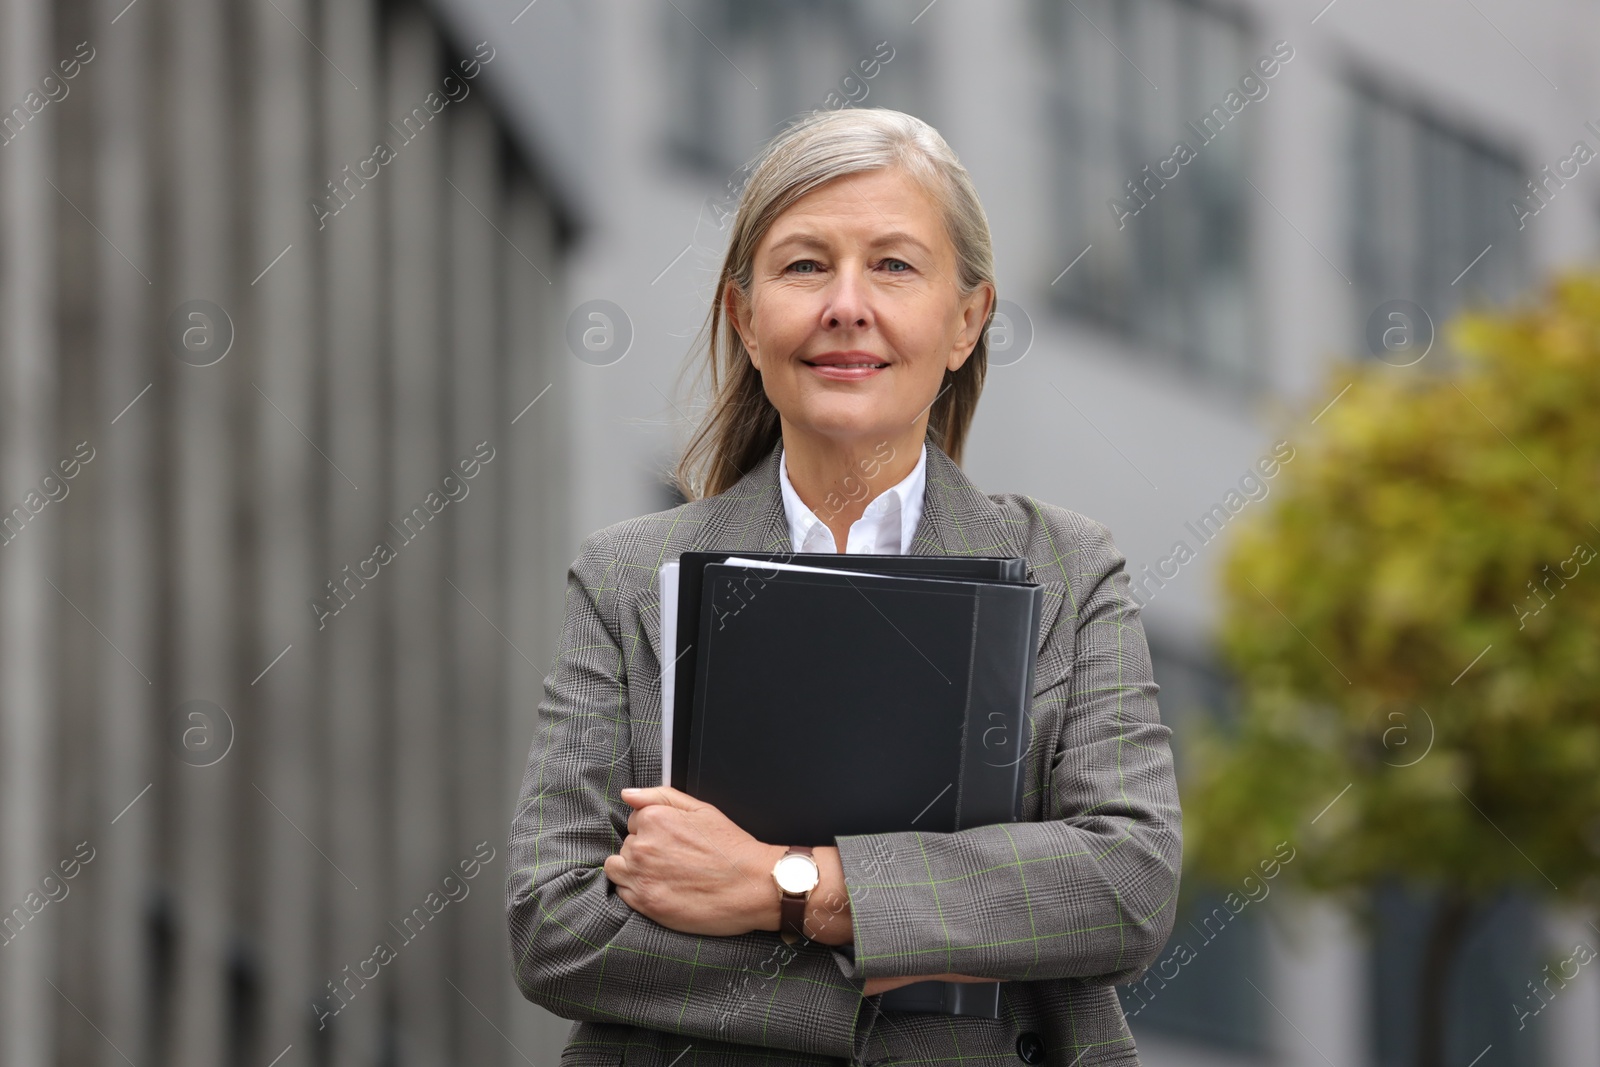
797,875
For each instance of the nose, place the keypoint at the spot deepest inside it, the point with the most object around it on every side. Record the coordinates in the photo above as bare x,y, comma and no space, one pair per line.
847,303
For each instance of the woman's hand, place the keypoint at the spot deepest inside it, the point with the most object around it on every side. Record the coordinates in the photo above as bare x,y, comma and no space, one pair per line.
687,866
883,985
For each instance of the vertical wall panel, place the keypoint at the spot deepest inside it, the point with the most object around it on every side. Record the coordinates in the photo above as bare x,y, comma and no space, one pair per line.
539,546
204,464
476,611
129,746
28,606
417,406
72,523
291,477
357,659
160,929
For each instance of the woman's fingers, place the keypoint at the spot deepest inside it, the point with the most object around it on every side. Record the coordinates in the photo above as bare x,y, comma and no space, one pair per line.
660,794
875,986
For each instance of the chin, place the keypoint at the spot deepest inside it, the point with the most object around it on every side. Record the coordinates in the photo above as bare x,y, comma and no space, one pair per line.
844,427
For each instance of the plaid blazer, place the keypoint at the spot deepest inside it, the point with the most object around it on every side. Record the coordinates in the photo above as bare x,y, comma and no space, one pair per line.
1077,896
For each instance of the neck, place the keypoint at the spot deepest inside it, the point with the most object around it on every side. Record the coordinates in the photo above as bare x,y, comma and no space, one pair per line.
838,479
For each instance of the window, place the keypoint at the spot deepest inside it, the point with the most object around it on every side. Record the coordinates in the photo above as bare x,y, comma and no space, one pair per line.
1489,980
1169,264
742,70
1197,989
1426,201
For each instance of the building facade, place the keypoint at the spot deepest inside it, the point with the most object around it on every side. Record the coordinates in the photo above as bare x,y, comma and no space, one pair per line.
278,282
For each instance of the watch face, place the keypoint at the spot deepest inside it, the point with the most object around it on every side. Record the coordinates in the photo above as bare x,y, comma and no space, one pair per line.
796,874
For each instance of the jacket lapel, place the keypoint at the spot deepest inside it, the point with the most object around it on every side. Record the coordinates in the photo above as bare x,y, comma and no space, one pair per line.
749,517
958,519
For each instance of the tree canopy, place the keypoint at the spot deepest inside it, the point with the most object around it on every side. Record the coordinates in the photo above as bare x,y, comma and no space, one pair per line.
1414,623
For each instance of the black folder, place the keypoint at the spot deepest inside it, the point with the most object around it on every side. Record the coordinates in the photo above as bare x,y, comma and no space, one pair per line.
828,704
691,570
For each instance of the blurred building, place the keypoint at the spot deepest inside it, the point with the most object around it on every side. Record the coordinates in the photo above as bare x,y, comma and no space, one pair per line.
1170,318
241,346
241,747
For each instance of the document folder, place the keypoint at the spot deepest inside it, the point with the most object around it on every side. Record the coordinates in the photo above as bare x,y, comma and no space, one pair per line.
824,704
690,571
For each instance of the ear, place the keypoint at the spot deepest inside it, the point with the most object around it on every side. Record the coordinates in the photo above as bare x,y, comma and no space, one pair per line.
738,312
974,316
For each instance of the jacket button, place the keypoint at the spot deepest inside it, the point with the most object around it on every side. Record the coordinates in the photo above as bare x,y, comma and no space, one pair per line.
1030,1047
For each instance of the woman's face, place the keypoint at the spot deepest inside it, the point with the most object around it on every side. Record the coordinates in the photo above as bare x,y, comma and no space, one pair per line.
854,314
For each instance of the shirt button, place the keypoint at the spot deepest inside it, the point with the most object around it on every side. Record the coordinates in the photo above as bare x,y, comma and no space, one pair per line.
1030,1047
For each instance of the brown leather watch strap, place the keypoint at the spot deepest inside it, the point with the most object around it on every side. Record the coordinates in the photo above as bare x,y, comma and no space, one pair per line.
792,909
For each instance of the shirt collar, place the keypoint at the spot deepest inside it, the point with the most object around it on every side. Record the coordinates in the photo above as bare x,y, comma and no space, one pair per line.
892,515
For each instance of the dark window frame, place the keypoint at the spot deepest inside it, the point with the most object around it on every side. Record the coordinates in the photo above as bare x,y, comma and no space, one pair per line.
1375,209
1140,298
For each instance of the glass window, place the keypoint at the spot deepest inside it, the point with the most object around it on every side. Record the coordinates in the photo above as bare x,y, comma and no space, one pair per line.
1130,81
742,70
1429,221
1201,994
1489,981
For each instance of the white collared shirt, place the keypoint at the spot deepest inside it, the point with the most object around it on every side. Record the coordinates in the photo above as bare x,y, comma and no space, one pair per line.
886,527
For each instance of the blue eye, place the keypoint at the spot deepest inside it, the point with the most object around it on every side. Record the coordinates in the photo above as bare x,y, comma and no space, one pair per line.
891,262
803,263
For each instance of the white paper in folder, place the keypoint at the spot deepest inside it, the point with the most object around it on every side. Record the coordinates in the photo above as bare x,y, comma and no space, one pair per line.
668,576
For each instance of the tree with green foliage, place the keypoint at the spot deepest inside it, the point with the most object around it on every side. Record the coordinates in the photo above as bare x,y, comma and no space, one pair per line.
1414,621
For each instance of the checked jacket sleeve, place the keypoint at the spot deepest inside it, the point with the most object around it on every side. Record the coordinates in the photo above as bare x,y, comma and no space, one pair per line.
578,949
1085,887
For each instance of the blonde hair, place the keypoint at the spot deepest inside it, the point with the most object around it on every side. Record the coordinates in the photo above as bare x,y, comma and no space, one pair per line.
741,426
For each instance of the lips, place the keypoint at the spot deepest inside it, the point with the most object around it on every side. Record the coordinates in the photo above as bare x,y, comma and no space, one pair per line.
847,361
845,372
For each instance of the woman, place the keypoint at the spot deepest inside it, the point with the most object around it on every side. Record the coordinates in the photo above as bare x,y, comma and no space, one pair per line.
846,355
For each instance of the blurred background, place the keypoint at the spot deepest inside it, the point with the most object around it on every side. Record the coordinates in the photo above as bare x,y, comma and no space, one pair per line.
282,280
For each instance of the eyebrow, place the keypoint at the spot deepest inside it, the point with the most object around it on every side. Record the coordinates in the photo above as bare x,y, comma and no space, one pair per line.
810,240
